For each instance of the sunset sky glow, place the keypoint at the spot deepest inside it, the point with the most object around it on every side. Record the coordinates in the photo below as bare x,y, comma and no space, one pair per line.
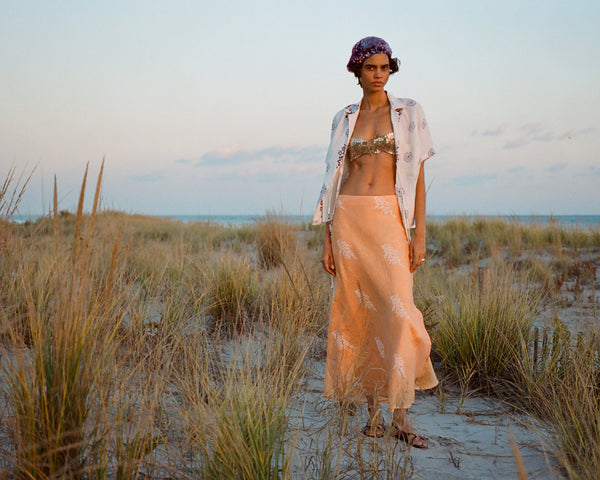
226,107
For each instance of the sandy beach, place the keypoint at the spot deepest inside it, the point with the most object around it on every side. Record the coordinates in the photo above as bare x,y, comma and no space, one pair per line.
197,351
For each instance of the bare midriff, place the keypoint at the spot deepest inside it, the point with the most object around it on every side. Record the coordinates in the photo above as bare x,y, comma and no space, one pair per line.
371,174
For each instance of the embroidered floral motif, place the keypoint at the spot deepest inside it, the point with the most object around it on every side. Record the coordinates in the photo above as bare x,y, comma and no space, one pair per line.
384,206
410,102
380,347
391,255
399,364
408,156
341,153
424,124
411,126
364,299
398,307
346,250
341,341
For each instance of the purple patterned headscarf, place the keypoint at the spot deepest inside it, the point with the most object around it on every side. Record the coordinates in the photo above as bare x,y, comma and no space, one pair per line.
366,47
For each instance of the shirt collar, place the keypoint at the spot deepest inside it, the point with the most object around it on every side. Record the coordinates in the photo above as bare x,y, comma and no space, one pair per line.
350,109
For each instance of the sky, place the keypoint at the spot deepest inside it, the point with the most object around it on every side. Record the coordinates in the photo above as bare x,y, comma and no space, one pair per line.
225,107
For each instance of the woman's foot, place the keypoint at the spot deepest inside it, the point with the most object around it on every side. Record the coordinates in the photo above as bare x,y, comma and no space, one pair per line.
409,437
375,426
375,430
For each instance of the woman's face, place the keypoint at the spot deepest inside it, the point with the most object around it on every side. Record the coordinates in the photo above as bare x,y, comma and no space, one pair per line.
375,72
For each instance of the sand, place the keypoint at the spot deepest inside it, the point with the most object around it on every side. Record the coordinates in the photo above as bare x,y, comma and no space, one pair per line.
468,439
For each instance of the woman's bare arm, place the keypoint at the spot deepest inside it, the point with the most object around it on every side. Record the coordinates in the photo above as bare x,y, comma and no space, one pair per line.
418,248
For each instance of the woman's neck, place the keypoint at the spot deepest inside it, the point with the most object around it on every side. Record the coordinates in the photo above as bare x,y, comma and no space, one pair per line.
373,101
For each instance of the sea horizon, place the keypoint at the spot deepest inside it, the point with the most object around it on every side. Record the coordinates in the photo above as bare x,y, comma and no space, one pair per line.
572,220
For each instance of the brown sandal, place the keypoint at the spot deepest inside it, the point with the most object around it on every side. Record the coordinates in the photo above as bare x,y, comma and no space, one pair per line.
409,438
377,432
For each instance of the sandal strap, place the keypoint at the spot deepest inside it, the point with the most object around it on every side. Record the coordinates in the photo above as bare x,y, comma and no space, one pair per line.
378,432
409,437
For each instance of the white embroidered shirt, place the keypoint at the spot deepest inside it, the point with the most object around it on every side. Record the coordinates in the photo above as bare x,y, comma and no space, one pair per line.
413,146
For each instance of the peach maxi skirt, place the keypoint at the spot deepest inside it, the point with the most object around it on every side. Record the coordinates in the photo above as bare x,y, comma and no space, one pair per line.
377,343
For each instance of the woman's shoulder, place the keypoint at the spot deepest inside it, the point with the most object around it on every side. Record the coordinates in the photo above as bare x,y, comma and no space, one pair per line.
397,102
348,109
352,108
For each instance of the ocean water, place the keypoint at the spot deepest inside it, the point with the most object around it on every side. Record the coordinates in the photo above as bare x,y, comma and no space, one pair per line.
576,221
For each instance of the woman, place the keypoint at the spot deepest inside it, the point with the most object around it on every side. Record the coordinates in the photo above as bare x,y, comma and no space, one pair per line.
378,348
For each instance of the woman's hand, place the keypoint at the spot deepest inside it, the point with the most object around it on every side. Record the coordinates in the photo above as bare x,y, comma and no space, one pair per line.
417,251
417,248
327,257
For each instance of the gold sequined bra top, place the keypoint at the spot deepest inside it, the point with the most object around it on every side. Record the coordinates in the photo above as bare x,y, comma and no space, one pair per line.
359,146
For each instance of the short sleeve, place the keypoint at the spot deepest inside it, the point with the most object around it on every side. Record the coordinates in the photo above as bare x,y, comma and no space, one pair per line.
426,144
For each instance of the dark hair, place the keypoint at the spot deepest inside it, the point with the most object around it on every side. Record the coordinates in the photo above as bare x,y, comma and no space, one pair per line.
394,67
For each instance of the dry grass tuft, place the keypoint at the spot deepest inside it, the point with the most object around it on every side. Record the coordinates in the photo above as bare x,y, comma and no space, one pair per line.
274,240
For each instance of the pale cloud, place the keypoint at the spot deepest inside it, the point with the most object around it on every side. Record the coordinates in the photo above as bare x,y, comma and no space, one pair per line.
589,172
530,132
269,164
519,142
557,167
272,154
532,128
474,179
495,132
544,137
515,170
568,135
148,177
536,132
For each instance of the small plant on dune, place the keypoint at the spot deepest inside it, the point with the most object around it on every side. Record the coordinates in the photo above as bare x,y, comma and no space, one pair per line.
273,241
232,294
11,193
241,413
482,337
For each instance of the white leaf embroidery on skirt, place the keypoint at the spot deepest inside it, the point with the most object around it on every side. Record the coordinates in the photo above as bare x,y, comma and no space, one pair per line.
398,307
380,347
346,250
364,299
391,255
399,364
384,206
341,341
